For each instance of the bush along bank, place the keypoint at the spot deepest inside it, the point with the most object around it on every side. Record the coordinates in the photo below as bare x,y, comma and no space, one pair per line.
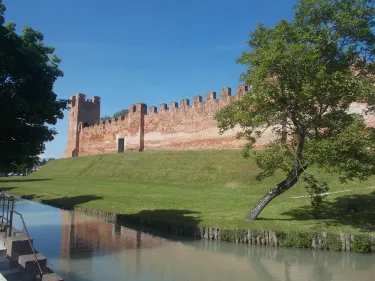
361,243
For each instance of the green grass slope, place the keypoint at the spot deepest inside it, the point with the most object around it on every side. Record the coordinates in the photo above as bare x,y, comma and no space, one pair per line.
210,188
168,166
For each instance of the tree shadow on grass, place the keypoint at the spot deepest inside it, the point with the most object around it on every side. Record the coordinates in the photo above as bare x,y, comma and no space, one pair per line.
164,223
357,211
5,189
66,203
7,180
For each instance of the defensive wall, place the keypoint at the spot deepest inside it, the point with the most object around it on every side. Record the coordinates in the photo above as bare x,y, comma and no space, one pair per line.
189,125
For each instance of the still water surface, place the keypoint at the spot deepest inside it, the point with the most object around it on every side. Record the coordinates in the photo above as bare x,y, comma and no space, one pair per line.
83,248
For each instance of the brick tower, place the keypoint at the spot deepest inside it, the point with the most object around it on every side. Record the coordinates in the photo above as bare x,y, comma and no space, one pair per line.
83,112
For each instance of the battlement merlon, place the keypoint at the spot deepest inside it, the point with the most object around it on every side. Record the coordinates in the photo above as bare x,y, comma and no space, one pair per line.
153,110
163,107
197,100
211,96
81,99
241,90
225,92
138,108
185,102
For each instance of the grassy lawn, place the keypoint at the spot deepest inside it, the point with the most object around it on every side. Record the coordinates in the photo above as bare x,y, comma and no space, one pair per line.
208,188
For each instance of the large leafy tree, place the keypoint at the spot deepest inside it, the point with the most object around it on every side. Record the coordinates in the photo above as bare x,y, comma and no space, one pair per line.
304,74
28,70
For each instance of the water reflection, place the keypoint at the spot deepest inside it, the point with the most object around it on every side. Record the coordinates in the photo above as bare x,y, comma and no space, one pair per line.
82,248
93,234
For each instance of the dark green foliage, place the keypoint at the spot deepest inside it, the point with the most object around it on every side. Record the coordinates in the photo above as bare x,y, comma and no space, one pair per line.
227,235
282,239
304,240
121,113
333,242
241,234
294,239
316,191
362,244
105,118
117,115
28,71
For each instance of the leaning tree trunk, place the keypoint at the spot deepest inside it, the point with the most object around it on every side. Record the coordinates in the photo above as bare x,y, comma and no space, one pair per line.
283,186
274,192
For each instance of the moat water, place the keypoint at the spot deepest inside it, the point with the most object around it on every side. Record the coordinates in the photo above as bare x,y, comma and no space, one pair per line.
86,248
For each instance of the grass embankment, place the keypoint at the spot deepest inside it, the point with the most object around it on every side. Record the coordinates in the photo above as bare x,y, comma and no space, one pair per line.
207,188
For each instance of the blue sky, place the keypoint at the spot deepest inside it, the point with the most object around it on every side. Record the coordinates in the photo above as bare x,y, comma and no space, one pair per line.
150,51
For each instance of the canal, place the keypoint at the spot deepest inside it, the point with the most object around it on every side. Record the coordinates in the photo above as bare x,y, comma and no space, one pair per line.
82,248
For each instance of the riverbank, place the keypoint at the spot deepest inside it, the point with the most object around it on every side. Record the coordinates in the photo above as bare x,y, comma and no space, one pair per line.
196,190
361,243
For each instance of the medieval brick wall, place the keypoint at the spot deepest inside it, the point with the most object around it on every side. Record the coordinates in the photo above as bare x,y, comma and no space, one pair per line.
175,127
103,136
188,126
192,126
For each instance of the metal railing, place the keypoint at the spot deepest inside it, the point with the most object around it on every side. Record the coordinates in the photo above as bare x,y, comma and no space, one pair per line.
36,261
9,207
8,227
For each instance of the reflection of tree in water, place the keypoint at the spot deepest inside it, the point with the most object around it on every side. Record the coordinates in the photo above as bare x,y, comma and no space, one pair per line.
287,271
138,254
321,273
255,257
298,264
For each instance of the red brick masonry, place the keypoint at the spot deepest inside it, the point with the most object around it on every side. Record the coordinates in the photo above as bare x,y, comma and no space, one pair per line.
188,126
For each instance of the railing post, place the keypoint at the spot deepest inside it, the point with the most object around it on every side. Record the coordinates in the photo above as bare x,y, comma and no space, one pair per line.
10,223
7,219
2,200
11,199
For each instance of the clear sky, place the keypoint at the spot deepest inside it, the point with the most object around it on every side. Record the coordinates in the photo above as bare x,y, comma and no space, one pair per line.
151,51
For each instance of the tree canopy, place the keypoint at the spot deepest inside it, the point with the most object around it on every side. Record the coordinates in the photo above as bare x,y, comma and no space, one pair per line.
118,114
105,118
28,104
303,75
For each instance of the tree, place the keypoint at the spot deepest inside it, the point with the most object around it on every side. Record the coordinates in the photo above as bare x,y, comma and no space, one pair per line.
304,74
105,118
28,105
121,113
118,115
43,161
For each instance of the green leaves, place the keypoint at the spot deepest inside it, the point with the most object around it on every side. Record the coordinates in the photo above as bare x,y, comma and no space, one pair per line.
277,156
347,149
118,114
121,113
28,105
316,189
2,11
304,75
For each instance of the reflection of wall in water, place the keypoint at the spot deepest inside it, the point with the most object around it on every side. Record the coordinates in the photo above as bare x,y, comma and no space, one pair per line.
82,235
